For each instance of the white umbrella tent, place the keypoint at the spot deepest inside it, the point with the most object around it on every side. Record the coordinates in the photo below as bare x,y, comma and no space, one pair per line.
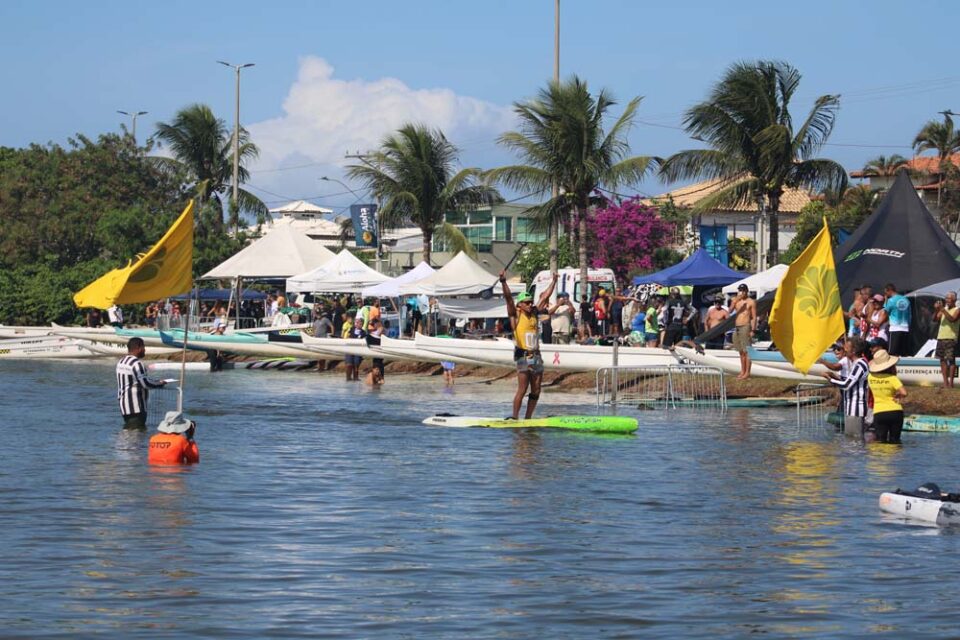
281,253
344,274
391,288
762,283
459,277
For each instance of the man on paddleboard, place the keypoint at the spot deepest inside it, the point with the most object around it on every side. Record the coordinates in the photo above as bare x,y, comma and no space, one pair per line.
526,343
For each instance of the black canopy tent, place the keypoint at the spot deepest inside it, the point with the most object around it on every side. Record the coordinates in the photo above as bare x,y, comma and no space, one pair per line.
900,243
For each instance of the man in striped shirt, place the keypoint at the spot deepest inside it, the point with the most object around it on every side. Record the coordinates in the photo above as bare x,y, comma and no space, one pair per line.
132,385
853,386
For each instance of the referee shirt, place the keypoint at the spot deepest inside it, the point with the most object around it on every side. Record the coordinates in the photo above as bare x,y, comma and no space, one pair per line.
132,385
854,389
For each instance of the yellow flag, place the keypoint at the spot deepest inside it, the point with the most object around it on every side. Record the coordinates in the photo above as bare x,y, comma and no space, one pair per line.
806,317
165,270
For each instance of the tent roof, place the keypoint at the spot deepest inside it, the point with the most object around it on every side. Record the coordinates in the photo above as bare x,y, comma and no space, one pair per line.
300,206
761,282
700,268
937,290
279,254
900,242
391,288
344,274
459,277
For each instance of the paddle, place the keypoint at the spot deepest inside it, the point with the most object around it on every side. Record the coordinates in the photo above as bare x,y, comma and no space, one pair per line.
487,293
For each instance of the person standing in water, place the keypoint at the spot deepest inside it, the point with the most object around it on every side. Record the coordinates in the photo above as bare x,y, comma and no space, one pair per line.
132,386
526,343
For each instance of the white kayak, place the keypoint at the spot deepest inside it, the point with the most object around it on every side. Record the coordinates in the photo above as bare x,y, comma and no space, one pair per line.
940,512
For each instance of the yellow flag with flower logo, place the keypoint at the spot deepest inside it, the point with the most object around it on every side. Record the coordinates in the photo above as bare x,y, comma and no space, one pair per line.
165,270
807,317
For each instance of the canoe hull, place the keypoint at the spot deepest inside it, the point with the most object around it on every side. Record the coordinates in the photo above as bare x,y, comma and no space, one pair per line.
922,509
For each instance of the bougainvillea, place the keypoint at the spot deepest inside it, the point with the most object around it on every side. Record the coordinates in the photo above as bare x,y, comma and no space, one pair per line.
625,235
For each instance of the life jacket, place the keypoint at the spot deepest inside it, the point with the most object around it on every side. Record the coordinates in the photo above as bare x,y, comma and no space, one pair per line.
172,448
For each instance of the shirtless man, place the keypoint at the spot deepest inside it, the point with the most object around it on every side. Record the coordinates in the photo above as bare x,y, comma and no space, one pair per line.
745,312
716,316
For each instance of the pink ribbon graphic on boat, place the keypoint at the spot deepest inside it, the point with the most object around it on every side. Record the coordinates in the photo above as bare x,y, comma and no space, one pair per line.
556,357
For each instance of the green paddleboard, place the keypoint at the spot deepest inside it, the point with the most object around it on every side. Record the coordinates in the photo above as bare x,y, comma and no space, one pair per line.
593,424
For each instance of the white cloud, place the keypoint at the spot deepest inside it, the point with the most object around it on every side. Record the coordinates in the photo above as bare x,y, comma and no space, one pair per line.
324,117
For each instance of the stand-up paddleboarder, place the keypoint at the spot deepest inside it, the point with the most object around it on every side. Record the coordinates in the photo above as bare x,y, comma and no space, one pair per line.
526,343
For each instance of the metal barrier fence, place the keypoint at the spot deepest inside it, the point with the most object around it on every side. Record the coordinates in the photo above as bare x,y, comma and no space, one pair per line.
662,386
815,403
160,401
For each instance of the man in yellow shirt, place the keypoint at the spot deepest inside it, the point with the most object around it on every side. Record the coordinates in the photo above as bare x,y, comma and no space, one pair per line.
948,314
526,343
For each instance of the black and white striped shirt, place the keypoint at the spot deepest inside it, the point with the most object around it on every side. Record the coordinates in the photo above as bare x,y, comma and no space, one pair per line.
132,385
854,389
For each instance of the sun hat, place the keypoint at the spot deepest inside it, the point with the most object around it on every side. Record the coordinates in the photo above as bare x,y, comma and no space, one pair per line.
878,297
883,361
523,296
743,287
174,422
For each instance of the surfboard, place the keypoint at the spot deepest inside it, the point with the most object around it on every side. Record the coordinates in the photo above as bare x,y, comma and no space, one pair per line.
594,424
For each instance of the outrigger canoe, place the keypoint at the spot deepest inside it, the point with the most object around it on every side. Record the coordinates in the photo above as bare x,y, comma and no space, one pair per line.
593,424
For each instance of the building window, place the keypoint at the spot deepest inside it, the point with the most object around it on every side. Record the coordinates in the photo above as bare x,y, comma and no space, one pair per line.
504,230
526,231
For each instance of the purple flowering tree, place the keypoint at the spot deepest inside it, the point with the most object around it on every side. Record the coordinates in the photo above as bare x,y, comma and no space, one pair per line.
624,236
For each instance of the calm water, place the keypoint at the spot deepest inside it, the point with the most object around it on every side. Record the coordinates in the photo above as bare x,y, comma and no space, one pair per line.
325,509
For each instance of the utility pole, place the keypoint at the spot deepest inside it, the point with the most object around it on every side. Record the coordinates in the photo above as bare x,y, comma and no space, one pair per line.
133,115
235,201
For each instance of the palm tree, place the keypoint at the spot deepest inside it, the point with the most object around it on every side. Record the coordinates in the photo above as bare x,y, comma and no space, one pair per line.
202,146
884,166
563,141
755,149
942,138
414,174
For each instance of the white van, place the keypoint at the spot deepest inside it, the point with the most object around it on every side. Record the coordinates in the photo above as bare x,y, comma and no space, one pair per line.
568,280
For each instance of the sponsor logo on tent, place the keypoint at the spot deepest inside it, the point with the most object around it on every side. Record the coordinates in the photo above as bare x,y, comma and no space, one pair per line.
888,253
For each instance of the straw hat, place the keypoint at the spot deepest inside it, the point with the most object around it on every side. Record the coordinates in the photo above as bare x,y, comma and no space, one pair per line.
882,361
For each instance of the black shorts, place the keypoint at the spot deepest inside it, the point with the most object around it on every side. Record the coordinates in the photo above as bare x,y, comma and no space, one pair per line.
887,426
899,343
672,335
135,421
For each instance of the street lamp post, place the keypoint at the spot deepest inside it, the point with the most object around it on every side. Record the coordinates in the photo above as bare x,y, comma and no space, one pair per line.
133,115
235,204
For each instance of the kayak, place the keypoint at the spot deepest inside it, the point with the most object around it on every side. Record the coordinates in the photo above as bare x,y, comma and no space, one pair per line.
757,402
941,512
594,424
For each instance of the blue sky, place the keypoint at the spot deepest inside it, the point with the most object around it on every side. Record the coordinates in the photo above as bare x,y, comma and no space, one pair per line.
332,77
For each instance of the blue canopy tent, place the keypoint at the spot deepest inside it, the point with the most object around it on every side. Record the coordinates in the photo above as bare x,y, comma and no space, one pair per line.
698,269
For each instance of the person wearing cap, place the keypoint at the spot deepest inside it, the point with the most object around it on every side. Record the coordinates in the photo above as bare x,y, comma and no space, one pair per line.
716,315
526,343
853,383
561,318
601,312
887,391
876,318
948,314
745,325
174,443
676,315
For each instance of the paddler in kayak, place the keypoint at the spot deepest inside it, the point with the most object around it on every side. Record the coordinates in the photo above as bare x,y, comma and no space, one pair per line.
526,343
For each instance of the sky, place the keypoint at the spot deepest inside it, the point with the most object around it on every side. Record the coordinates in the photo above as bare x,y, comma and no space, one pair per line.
334,77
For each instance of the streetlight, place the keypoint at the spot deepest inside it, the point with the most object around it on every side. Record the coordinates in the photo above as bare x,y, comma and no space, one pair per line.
342,184
236,143
133,115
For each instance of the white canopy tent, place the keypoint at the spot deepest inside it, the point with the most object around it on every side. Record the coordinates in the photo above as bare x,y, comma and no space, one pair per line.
936,290
762,283
459,277
280,254
391,288
344,274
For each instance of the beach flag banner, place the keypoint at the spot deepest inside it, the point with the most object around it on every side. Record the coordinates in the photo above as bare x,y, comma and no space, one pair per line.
806,317
364,218
165,270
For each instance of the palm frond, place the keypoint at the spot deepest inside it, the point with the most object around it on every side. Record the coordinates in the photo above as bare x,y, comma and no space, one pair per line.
700,163
454,240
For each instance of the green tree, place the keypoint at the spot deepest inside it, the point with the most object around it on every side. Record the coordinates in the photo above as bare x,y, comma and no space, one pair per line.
942,138
414,174
755,148
562,139
884,165
202,148
536,257
848,216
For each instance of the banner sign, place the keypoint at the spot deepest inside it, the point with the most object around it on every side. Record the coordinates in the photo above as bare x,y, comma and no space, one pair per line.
364,224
